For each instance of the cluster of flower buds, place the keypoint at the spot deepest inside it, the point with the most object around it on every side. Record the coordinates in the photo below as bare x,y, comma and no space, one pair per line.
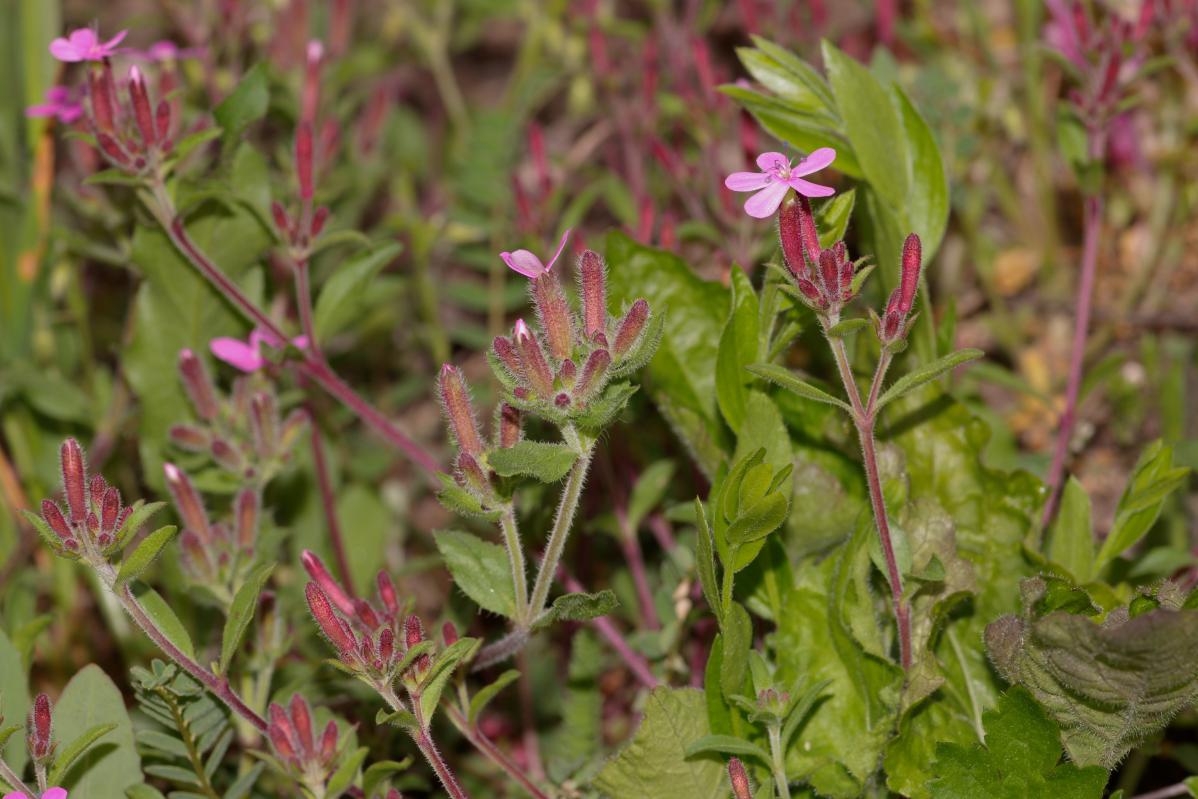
214,553
372,641
471,469
824,278
39,738
561,373
291,734
133,137
96,523
892,326
741,789
244,434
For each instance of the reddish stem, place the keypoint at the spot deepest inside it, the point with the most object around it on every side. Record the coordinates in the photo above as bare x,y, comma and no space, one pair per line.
636,564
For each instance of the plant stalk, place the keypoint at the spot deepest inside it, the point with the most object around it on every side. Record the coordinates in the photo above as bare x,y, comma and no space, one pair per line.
778,756
515,554
489,750
14,782
561,531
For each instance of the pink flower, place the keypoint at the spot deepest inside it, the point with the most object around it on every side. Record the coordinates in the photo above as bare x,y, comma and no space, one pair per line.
59,103
53,793
247,356
166,50
777,176
529,265
84,45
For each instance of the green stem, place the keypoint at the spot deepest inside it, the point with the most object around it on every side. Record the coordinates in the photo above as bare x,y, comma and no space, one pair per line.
779,761
515,554
561,527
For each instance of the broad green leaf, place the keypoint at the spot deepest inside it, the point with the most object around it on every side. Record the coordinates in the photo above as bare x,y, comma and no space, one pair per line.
69,754
655,762
680,380
442,669
90,700
344,776
1151,482
342,295
166,620
458,500
727,745
737,632
1019,759
832,217
1108,686
245,105
379,772
603,410
926,207
545,461
1072,543
483,696
786,379
926,374
579,607
480,569
137,561
14,700
141,513
739,346
241,613
759,520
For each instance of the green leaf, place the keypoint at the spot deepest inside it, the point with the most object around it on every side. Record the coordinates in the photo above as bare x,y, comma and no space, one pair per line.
545,461
484,695
14,700
245,105
241,613
787,380
343,294
68,755
190,142
1151,482
343,777
739,346
649,490
137,561
92,700
1072,542
1019,759
379,772
458,500
655,763
832,217
759,520
705,559
1109,685
480,569
603,410
926,374
442,669
727,745
738,639
141,513
847,328
579,607
680,380
926,208
158,610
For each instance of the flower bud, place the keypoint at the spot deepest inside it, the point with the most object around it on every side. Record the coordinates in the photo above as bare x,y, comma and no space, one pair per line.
413,631
387,593
112,149
554,313
100,92
532,360
449,633
318,219
282,222
909,283
330,624
320,574
593,278
455,402
303,159
226,455
246,507
40,727
630,328
328,742
187,502
162,121
264,423
198,385
510,426
301,721
386,646
829,274
798,235
472,474
739,779
281,733
593,373
53,516
366,614
567,372
140,99
109,510
562,400
74,479
505,351
188,437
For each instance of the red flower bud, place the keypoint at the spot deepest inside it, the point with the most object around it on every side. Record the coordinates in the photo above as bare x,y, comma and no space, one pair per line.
74,479
198,385
386,646
554,313
630,327
366,614
53,516
739,779
510,426
505,351
226,455
909,283
328,742
387,593
593,278
449,633
282,222
264,423
413,631
301,721
472,474
593,373
189,437
532,360
246,507
829,274
330,624
162,120
455,402
282,735
100,91
140,99
798,235
110,508
113,150
40,728
567,372
320,574
562,400
187,502
319,218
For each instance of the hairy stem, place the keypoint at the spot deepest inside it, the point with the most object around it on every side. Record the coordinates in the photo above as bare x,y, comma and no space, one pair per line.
424,743
515,554
489,750
864,418
778,756
561,531
14,782
313,364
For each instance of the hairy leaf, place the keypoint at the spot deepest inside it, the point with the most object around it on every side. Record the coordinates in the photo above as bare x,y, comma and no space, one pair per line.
480,569
545,461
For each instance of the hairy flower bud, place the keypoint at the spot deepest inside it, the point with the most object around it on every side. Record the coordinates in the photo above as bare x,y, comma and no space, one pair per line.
330,624
387,593
187,502
198,385
74,479
511,428
226,455
281,733
100,92
909,283
282,222
505,351
739,779
246,508
319,218
593,373
301,720
189,437
328,742
532,360
53,517
472,474
110,507
630,327
593,278
413,631
162,121
111,148
366,614
449,633
455,401
554,313
264,423
798,235
320,574
139,98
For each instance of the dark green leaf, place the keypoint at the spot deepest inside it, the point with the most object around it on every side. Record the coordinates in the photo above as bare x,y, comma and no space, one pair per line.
926,374
787,380
246,105
484,695
727,745
342,295
480,569
547,462
241,613
137,561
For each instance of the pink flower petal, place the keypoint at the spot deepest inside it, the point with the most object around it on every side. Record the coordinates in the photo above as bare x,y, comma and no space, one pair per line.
809,189
561,245
111,44
764,203
300,342
55,793
83,40
46,110
747,181
258,337
236,352
64,51
15,795
817,160
69,113
771,160
524,262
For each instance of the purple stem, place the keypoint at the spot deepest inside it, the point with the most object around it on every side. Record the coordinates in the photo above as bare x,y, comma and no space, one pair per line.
636,564
493,753
636,664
